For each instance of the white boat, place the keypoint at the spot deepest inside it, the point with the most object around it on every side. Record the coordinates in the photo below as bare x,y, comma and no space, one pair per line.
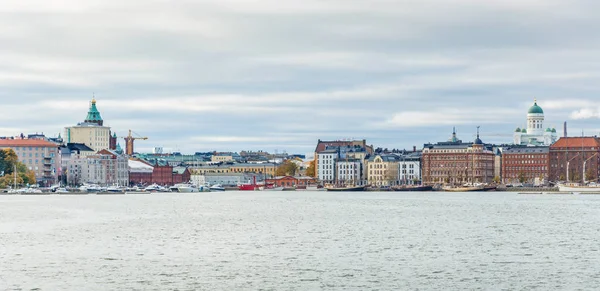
186,188
152,188
114,190
574,187
61,190
273,189
90,188
217,187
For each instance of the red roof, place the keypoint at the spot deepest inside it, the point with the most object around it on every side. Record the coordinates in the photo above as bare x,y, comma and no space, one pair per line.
26,143
576,142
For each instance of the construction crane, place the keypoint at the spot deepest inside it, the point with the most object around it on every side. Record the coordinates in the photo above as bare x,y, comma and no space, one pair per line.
129,142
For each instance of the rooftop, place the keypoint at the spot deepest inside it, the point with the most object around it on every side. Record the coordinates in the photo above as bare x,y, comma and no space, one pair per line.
26,143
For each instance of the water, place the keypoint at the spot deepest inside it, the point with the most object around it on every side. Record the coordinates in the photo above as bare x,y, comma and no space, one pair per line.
300,241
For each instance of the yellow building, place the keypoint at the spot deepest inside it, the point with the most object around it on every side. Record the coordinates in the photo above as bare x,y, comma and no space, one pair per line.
383,170
217,158
268,169
91,132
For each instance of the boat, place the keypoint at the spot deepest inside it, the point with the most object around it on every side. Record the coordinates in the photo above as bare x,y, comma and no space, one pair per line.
273,189
574,187
470,189
289,189
152,188
185,188
90,188
348,188
411,188
112,190
61,190
248,186
217,187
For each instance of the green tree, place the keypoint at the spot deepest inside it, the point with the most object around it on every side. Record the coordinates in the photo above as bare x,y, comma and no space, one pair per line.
288,168
311,170
496,180
8,162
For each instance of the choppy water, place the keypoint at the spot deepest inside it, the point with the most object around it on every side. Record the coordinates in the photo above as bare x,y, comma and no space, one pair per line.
300,241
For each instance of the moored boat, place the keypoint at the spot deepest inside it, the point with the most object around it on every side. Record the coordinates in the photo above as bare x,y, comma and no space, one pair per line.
346,188
412,188
592,187
217,187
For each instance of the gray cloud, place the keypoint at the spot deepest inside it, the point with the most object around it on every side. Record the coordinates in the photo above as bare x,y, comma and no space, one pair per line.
233,74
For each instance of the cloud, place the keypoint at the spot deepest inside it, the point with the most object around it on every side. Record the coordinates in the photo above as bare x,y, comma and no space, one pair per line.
234,74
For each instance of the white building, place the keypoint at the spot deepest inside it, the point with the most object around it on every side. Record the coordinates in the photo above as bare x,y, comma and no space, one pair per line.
409,169
91,132
535,134
105,168
326,171
350,171
225,179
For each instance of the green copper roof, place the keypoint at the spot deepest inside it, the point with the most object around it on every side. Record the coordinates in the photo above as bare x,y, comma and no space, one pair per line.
535,109
93,114
524,130
554,130
548,129
119,149
518,129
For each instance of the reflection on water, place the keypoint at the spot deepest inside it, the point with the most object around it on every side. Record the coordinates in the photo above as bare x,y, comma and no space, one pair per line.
300,241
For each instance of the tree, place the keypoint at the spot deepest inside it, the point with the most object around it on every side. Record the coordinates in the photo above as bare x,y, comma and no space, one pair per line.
311,170
497,180
8,161
522,178
590,175
288,168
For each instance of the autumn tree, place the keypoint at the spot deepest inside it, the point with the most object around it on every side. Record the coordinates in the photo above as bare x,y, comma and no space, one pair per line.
287,168
311,171
8,162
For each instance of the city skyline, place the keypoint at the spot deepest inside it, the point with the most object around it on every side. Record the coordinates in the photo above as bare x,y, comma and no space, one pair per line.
227,75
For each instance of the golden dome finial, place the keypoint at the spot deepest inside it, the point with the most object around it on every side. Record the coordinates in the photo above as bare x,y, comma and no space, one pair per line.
93,98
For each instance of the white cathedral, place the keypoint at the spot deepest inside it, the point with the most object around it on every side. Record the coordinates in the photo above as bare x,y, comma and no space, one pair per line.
535,134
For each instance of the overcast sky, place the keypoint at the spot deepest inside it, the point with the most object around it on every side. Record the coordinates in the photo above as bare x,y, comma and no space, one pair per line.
276,74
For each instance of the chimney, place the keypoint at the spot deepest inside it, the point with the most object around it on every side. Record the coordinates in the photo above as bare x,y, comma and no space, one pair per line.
414,149
565,130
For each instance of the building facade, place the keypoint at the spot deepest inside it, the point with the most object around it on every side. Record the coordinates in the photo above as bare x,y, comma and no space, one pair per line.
40,156
383,170
325,165
105,168
457,163
350,171
535,134
574,159
409,169
525,165
140,173
91,132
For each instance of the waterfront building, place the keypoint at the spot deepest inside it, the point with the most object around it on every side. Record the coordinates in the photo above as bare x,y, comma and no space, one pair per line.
409,168
357,149
91,131
535,134
105,168
224,179
383,170
162,175
326,162
267,169
140,173
181,175
524,164
350,171
67,152
456,163
40,156
572,159
219,158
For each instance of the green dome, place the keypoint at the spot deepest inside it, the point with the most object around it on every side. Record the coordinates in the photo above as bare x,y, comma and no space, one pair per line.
535,109
548,129
518,129
93,115
524,130
554,130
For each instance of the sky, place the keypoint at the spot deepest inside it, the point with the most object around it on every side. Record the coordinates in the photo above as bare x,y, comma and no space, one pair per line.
232,75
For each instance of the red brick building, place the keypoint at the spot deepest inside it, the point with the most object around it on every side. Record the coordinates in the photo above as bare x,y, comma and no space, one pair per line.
181,175
525,165
162,175
457,163
568,157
